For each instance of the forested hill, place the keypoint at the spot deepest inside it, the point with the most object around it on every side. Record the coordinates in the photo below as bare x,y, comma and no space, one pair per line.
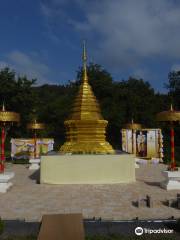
119,101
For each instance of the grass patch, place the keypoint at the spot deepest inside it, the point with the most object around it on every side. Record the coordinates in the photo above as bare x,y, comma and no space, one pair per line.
21,238
143,237
109,237
1,226
21,161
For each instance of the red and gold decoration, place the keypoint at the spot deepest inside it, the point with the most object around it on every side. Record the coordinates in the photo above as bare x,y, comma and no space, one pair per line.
146,143
35,127
24,147
170,117
6,120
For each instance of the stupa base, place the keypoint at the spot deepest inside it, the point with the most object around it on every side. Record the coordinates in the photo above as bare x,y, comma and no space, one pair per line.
5,183
87,148
87,169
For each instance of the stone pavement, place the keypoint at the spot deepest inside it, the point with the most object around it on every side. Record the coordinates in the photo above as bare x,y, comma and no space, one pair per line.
29,200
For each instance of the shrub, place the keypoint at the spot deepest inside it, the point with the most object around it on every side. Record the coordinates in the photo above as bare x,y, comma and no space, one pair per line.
1,226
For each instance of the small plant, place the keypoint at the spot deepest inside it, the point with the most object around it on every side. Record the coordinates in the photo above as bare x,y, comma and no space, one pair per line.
131,237
1,226
21,238
21,161
178,225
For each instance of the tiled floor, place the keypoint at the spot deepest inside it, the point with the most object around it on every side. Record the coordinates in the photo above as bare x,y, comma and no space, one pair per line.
29,200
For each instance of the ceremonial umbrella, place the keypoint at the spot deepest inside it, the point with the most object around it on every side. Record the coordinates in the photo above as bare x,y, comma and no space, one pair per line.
133,126
171,117
35,126
6,120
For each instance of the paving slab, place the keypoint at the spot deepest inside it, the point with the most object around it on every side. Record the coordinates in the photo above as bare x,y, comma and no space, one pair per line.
29,200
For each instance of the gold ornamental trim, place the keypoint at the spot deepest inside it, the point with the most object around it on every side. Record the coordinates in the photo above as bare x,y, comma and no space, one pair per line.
6,116
36,126
133,126
168,116
86,121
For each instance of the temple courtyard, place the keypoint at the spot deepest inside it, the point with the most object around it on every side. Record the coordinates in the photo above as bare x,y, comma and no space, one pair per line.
29,200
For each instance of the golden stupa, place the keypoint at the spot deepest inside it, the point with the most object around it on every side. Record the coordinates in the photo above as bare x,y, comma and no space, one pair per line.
86,128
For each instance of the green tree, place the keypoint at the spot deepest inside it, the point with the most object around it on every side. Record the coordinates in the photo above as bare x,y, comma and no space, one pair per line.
54,107
17,94
120,101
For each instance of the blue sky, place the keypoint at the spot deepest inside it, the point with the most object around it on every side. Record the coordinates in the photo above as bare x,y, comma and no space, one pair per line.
43,38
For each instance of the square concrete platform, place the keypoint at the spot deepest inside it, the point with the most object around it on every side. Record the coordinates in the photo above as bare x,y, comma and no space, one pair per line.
87,169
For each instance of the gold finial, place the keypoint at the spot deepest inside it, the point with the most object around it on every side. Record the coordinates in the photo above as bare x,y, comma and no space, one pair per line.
172,107
85,77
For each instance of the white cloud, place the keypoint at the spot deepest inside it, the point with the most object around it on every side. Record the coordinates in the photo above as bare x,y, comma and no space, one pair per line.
140,73
46,10
26,64
3,64
175,67
129,31
147,75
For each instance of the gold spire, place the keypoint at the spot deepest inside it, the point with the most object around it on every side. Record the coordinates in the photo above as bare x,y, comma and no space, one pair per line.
85,106
85,127
84,57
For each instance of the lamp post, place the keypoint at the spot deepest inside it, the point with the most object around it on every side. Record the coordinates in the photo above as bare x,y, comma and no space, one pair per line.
6,121
171,117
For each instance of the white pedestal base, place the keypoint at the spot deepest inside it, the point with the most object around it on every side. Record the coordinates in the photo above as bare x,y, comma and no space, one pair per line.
155,160
4,181
136,163
34,164
141,161
172,181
